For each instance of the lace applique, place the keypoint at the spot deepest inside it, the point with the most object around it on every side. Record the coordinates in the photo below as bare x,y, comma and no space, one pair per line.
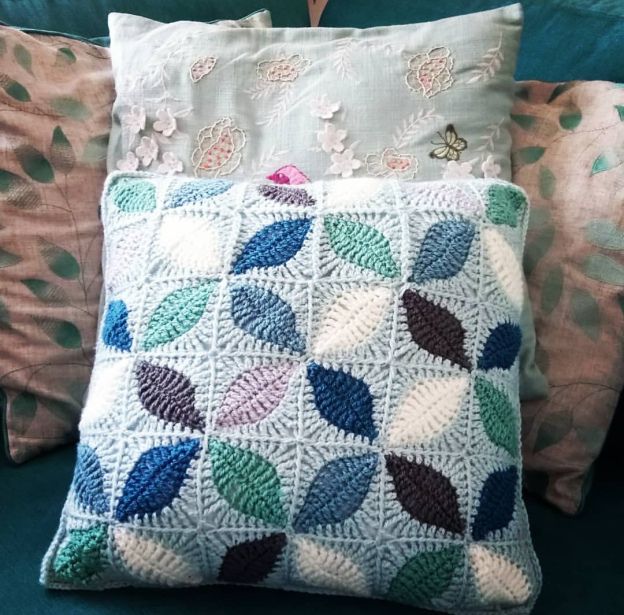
391,163
282,70
218,150
431,72
201,67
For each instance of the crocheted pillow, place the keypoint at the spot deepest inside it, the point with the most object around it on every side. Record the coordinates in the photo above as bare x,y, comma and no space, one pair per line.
313,388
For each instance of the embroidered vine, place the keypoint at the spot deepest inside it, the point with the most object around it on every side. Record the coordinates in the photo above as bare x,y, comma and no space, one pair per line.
490,63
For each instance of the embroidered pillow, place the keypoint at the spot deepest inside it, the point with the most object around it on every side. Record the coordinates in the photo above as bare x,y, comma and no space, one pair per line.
310,388
569,157
421,101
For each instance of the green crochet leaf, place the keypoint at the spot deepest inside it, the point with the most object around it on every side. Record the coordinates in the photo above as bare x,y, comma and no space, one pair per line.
178,312
133,195
60,261
497,415
362,245
505,204
82,556
425,576
248,482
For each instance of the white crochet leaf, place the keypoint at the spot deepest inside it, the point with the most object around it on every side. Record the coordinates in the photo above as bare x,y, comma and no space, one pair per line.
352,318
427,410
325,568
351,193
106,384
190,241
506,266
499,581
151,562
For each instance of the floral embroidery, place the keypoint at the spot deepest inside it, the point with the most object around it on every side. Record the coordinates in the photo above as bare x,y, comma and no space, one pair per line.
134,120
392,163
344,163
490,167
129,163
282,69
170,164
166,122
218,150
458,170
289,175
202,67
322,107
147,151
331,138
431,72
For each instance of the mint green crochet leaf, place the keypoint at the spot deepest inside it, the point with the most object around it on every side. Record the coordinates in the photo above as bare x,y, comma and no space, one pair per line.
425,576
178,312
362,245
132,195
497,415
506,203
81,557
248,482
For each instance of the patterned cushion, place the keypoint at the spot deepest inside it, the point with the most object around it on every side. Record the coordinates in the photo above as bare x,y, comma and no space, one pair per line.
310,388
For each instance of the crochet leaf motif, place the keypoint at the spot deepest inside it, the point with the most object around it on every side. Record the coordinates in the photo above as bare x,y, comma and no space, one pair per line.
265,316
273,245
255,394
88,481
115,331
132,195
248,482
343,400
501,347
426,494
352,318
168,395
252,561
425,576
328,569
195,192
156,479
286,196
497,503
178,312
151,562
435,329
444,250
337,492
429,407
497,415
82,556
506,266
505,205
362,245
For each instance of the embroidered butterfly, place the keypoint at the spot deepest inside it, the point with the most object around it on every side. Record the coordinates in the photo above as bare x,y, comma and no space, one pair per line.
451,147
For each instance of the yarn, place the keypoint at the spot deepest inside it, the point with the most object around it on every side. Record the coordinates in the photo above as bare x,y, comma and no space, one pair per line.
115,331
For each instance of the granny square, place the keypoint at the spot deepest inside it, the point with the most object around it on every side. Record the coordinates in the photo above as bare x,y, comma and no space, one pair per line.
312,388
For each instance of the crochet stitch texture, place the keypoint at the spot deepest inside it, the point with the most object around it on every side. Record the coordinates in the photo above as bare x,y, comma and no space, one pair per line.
325,399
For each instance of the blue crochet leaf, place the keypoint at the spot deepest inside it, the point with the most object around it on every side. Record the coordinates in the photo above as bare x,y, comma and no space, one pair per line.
336,492
496,503
156,479
88,481
501,347
343,400
273,245
444,250
196,191
266,316
115,330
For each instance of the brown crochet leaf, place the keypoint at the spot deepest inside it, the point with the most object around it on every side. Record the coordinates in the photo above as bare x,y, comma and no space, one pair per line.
252,561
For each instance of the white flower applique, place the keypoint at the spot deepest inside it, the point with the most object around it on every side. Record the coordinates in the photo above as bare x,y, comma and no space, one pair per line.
344,163
490,167
147,151
129,163
458,170
323,108
166,122
134,120
170,164
331,138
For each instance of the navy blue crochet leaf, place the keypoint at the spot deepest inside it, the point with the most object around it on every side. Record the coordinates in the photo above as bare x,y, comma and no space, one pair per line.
286,195
156,479
115,330
501,347
196,191
88,484
497,503
168,394
337,492
252,561
273,245
444,250
266,316
343,400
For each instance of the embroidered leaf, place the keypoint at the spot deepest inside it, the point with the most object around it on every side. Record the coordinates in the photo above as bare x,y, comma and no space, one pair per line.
48,293
352,318
70,107
156,479
497,503
201,67
506,267
553,429
61,332
197,191
527,155
343,400
323,568
425,493
605,234
252,561
502,347
82,556
265,316
255,394
168,395
60,261
88,484
536,249
524,121
547,182
286,196
444,250
133,195
499,581
191,242
425,576
498,415
337,492
13,88
505,205
435,329
34,164
552,289
604,269
62,154
429,407
570,117
362,245
17,192
586,313
115,332
95,150
273,245
152,562
248,482
177,313
7,259
620,111
23,57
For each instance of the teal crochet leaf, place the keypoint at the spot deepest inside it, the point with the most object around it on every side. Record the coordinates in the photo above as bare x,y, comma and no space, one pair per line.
248,482
88,483
362,245
133,195
497,415
178,313
507,203
82,556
